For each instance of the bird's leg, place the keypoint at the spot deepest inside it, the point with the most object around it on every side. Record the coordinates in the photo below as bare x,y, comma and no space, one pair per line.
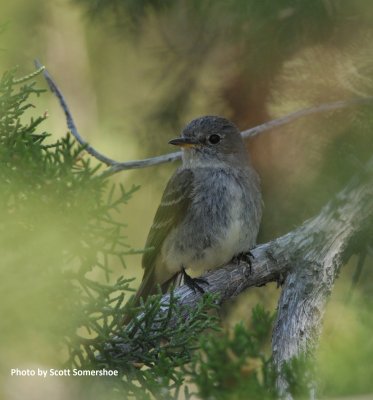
193,283
246,257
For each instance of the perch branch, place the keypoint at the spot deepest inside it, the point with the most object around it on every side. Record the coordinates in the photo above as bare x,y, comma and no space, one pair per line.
317,252
310,258
116,166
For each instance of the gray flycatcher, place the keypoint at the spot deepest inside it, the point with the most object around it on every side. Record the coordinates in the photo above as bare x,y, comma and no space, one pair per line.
210,210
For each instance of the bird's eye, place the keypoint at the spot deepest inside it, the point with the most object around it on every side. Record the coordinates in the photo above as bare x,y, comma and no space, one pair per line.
214,139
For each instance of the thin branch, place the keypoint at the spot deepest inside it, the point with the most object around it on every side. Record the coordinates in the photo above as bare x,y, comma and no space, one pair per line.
69,118
287,119
116,166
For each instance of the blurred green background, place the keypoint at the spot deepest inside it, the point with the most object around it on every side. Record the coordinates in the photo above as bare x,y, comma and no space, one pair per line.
134,72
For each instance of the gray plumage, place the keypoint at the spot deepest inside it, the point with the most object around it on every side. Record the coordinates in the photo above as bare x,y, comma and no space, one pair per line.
210,210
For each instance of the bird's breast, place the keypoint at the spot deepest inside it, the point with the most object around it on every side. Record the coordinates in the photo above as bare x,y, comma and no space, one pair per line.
218,225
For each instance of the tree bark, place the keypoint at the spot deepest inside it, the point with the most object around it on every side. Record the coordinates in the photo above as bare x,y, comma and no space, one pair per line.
317,251
308,260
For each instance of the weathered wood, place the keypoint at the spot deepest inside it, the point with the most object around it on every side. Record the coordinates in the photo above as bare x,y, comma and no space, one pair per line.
308,258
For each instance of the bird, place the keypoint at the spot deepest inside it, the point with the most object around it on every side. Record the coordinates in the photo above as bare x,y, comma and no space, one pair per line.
210,211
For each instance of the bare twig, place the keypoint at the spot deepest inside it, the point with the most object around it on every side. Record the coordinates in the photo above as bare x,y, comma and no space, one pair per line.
116,166
287,119
69,118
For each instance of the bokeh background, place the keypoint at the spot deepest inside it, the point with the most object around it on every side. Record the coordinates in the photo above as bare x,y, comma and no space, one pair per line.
134,72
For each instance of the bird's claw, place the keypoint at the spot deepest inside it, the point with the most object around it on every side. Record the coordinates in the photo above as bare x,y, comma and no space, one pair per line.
194,283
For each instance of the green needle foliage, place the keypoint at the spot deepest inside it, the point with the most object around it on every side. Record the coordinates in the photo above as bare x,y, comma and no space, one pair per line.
149,352
236,365
61,239
57,222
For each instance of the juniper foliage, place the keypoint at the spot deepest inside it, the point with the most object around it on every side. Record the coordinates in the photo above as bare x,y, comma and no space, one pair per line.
62,237
236,365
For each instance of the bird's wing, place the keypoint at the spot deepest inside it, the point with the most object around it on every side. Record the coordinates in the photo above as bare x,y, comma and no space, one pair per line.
174,204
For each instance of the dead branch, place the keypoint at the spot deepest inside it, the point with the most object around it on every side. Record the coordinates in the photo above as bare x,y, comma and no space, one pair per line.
117,166
308,258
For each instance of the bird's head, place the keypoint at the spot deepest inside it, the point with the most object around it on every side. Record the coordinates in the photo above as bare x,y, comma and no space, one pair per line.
211,141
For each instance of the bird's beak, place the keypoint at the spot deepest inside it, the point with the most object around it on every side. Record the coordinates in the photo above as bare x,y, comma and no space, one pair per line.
184,142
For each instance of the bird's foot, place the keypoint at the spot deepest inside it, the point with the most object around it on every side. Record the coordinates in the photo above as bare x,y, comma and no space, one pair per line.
245,257
194,283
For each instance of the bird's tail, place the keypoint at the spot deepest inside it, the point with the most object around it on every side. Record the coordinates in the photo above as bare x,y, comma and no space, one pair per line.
148,286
